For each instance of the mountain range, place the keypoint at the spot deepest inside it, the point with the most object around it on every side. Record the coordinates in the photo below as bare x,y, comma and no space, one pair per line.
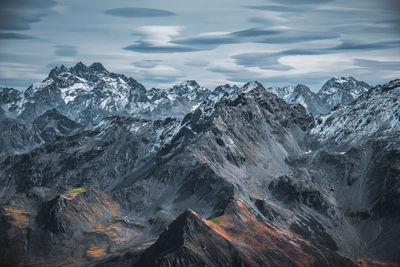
89,93
96,170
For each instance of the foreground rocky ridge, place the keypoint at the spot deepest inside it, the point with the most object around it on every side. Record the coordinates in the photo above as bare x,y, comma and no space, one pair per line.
265,182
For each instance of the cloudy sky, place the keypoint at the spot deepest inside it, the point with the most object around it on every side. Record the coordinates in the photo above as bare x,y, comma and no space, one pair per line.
160,43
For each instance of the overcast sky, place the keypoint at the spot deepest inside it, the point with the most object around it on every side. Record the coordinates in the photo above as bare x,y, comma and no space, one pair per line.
160,43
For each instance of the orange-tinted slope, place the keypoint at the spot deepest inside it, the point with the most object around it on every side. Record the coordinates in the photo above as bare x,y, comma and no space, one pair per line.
237,238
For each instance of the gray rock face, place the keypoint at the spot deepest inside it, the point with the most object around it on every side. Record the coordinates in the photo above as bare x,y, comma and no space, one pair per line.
266,182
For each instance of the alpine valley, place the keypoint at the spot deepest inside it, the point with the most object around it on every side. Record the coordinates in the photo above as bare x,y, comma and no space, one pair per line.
97,170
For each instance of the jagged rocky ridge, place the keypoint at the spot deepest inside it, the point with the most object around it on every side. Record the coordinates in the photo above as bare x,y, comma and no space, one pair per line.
265,183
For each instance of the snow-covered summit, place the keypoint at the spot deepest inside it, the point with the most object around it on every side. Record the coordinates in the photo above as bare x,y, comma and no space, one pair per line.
342,90
83,93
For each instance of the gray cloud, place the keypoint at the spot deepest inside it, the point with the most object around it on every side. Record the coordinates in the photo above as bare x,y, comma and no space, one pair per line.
276,8
65,50
351,45
370,27
236,75
279,36
302,2
255,32
212,41
154,77
209,42
261,60
199,43
255,35
13,35
196,63
374,65
136,12
147,64
146,47
19,14
269,61
262,20
298,36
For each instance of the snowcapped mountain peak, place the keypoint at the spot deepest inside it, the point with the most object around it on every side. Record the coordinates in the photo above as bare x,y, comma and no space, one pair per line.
79,69
185,88
282,92
83,93
56,71
337,79
222,89
341,84
97,67
300,94
81,78
191,84
301,88
342,90
251,85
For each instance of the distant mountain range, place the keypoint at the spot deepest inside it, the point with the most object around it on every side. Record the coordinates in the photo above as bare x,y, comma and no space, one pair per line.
89,93
96,170
336,91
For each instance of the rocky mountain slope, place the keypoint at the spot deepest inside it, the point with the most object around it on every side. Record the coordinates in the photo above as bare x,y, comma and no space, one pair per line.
243,178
